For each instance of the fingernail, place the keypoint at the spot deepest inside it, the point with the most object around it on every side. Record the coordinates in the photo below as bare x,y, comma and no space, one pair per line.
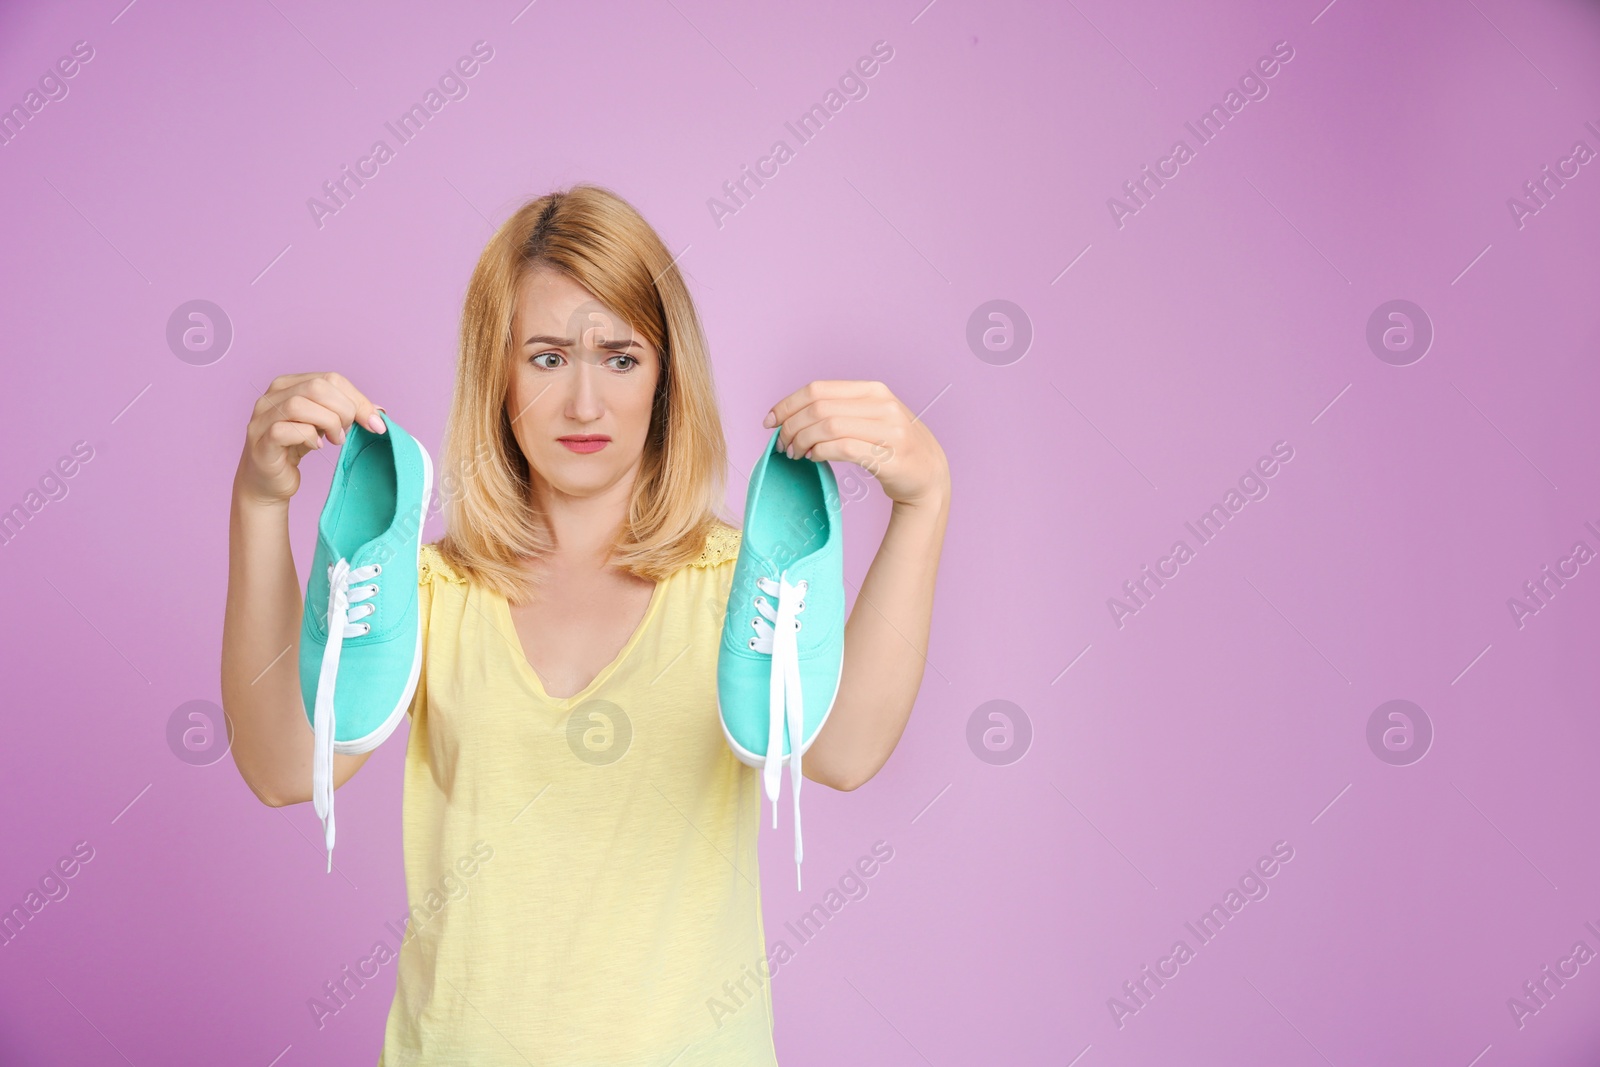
791,452
375,423
770,421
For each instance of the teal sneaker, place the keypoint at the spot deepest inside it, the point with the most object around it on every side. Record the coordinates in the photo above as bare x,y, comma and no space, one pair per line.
360,644
782,648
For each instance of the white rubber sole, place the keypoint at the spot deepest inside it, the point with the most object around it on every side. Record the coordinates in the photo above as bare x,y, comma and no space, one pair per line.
760,761
378,736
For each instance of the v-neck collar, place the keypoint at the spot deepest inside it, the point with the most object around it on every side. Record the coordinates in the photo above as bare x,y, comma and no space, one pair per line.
531,676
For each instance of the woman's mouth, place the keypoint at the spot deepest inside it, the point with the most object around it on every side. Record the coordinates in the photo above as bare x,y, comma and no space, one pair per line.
585,442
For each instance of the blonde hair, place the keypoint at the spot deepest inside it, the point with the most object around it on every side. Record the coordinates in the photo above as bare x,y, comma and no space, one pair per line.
602,243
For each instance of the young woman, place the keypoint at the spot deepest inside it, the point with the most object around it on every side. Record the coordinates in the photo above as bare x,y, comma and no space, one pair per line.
569,905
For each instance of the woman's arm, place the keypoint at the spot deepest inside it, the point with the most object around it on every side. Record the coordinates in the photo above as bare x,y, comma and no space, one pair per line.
271,737
271,742
886,638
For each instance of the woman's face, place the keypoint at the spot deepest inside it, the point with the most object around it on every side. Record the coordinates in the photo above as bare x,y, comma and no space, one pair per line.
582,386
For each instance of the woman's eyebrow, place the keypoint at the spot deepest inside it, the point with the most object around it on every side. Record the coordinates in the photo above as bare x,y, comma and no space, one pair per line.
567,342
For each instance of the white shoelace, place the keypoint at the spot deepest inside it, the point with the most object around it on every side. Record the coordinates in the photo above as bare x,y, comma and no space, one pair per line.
341,624
775,635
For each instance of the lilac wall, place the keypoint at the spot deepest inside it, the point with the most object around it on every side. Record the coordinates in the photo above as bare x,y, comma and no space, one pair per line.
1176,342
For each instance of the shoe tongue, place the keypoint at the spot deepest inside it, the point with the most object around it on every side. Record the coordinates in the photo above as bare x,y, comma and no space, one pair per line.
360,555
375,495
795,566
381,549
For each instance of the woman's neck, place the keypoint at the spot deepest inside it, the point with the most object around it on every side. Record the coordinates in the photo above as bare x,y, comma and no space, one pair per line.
584,528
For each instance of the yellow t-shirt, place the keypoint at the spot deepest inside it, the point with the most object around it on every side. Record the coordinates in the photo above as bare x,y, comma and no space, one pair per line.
581,872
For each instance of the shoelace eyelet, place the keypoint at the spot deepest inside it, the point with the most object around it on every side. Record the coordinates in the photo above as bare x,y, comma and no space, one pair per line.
752,642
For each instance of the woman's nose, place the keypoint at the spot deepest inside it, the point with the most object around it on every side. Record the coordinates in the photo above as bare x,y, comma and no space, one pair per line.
585,403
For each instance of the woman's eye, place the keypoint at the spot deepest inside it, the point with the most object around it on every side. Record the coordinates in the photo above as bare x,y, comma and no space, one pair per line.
536,360
632,362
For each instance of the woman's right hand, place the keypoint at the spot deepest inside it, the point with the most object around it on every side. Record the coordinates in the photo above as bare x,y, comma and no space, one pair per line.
292,418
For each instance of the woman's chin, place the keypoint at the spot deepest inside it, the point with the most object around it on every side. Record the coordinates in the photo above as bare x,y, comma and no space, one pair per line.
579,479
580,474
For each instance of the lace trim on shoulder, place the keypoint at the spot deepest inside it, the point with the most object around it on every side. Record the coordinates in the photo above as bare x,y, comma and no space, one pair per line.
722,545
431,564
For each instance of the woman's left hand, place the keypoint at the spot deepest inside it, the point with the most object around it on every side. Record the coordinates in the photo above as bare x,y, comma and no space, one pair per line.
865,424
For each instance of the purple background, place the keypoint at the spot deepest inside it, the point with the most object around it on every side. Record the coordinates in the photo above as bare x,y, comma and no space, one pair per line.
1228,314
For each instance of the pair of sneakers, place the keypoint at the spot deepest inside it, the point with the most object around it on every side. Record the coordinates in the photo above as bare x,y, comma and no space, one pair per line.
778,664
782,649
360,637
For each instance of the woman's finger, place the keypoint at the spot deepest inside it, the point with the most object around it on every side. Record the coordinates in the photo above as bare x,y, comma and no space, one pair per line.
868,456
329,388
812,391
287,435
301,408
857,433
888,412
365,409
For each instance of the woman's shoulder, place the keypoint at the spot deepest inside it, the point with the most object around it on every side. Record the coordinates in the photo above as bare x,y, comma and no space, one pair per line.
431,564
721,546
